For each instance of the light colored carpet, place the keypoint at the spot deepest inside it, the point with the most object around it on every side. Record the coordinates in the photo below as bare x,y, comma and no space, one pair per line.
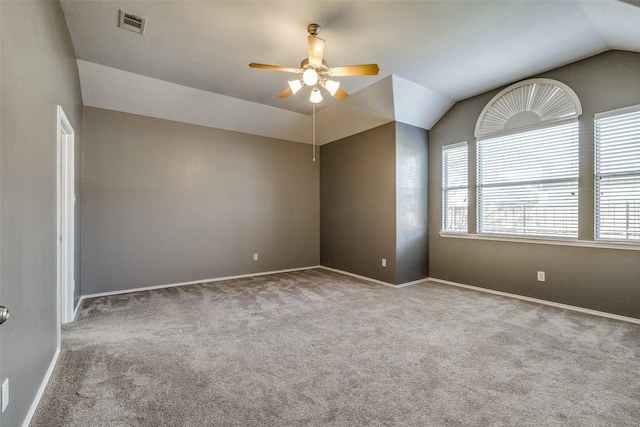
317,348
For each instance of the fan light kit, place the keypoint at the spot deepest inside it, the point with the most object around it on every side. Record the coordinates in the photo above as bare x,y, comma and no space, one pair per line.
316,73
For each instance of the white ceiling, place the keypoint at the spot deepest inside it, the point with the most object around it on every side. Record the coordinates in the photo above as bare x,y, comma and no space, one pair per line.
191,64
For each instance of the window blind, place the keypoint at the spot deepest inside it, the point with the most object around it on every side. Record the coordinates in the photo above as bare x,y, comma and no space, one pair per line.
617,176
454,187
528,183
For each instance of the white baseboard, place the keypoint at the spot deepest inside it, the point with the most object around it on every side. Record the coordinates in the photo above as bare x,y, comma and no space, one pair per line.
76,309
380,282
415,282
494,292
369,279
43,386
194,282
541,301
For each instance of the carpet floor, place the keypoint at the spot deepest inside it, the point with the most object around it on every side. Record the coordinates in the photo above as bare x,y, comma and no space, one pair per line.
318,348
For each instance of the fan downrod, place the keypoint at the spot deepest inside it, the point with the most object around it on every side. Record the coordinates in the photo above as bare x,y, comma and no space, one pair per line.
313,29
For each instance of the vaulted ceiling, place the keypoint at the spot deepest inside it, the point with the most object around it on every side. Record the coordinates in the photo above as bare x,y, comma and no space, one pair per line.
191,63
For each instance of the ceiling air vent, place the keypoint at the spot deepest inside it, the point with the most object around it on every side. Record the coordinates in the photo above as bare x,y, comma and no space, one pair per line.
131,22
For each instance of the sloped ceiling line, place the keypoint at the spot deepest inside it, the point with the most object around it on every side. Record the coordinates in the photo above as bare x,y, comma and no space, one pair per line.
389,99
191,63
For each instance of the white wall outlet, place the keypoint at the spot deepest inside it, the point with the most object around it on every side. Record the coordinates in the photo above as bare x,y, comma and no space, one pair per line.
5,394
255,257
384,262
541,276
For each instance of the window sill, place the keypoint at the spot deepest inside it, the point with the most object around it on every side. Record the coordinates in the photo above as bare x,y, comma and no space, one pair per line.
543,241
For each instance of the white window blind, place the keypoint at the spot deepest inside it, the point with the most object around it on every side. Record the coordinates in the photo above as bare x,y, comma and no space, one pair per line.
617,176
528,183
454,187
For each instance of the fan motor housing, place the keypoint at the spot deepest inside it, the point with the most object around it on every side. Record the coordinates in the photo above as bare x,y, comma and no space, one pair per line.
321,69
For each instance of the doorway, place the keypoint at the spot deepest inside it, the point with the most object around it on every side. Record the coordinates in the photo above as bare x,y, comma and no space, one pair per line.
66,220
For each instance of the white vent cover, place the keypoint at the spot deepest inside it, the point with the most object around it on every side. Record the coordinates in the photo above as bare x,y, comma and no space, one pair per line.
131,22
528,103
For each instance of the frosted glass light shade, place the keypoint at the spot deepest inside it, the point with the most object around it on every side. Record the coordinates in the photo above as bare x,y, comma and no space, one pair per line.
315,96
295,86
332,86
310,77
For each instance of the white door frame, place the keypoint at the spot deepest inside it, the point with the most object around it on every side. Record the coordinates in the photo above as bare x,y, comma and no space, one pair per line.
66,220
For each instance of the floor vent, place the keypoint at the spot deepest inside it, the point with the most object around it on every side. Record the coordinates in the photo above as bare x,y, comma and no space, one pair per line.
131,22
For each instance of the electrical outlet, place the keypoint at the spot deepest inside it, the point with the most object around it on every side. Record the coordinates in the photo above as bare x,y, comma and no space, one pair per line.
255,257
541,277
5,394
384,262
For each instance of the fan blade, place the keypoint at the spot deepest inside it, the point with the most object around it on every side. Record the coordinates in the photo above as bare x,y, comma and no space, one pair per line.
354,70
340,94
275,68
285,93
316,50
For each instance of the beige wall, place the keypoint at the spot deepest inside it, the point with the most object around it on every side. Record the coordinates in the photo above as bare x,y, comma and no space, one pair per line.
167,202
39,72
596,278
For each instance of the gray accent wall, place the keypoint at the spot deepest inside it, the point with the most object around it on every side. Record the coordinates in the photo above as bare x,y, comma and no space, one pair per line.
38,73
604,279
412,232
357,203
168,202
373,203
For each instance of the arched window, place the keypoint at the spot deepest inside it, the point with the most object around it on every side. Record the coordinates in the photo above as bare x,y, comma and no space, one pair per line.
527,161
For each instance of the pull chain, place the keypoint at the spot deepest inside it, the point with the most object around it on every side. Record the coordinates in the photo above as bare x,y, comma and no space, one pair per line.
314,132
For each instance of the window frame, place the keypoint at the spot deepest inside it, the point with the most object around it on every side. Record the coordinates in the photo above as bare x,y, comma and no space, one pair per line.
446,189
598,175
480,185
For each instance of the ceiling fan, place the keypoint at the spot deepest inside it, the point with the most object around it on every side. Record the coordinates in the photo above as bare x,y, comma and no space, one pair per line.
316,73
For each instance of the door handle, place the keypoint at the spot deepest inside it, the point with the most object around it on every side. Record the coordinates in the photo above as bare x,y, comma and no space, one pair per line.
4,314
